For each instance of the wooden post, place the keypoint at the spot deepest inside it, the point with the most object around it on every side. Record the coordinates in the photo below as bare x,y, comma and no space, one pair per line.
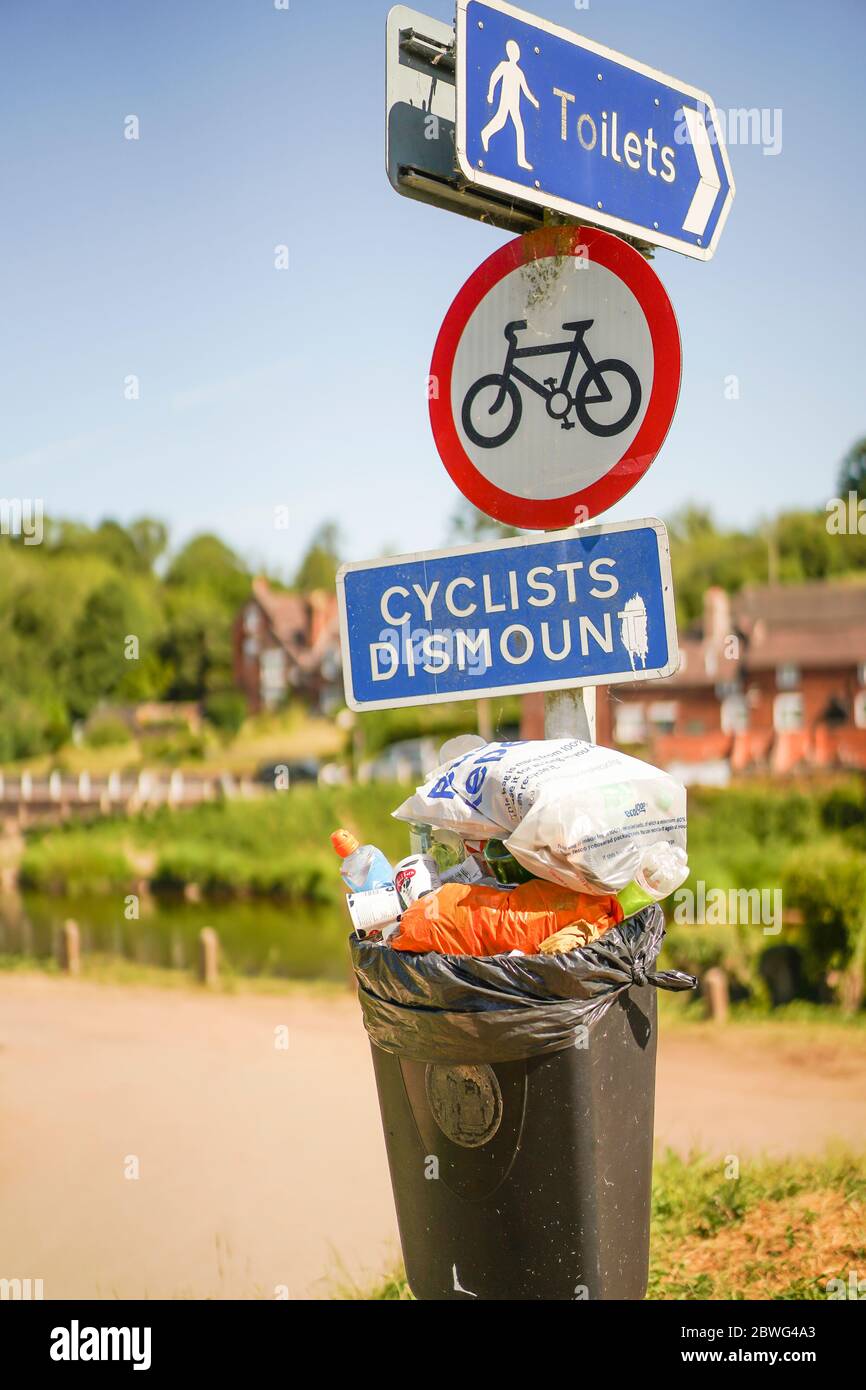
208,956
717,993
69,948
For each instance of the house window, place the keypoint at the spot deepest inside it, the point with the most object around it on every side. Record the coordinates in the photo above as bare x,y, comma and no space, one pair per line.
272,673
251,646
860,709
663,716
788,713
787,677
836,712
252,619
629,724
735,714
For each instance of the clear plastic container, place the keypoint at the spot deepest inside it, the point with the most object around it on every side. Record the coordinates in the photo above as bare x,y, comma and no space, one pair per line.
364,867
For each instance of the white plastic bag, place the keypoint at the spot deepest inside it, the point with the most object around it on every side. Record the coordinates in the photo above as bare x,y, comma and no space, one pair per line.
569,811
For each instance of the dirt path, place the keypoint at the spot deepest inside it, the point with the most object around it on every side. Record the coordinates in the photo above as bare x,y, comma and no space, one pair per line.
263,1167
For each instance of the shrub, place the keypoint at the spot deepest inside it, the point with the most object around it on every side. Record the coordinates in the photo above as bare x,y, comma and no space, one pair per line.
844,806
216,870
828,886
75,863
226,710
176,748
106,731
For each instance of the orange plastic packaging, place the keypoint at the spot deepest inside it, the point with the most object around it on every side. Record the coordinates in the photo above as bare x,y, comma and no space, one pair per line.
474,920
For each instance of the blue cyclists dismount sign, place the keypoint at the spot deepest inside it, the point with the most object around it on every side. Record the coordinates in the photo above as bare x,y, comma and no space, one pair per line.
585,607
547,117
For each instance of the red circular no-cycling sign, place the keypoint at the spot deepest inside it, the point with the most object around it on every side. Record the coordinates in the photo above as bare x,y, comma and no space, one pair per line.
555,377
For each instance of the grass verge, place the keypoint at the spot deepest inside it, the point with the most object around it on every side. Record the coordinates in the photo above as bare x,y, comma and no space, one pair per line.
781,1230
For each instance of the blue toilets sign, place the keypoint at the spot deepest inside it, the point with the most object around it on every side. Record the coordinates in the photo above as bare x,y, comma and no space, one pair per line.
547,117
592,606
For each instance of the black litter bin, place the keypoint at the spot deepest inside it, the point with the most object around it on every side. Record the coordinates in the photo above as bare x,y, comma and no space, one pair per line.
517,1102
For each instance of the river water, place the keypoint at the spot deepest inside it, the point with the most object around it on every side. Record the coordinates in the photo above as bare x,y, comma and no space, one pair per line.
281,940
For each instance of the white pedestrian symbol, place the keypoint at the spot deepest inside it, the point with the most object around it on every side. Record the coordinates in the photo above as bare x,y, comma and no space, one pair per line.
633,631
514,84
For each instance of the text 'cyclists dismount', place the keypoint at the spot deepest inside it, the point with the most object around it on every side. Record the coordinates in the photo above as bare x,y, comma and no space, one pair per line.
587,607
555,377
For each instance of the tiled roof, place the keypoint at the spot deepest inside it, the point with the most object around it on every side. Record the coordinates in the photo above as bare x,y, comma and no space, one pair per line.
287,614
801,605
291,620
807,625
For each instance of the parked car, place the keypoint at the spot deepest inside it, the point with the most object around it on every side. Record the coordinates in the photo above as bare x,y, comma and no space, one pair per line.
283,775
410,760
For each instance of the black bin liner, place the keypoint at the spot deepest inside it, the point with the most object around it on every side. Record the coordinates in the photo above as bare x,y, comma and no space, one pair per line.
503,1008
517,1098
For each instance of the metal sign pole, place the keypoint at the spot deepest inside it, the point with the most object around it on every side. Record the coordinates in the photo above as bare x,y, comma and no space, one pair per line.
570,713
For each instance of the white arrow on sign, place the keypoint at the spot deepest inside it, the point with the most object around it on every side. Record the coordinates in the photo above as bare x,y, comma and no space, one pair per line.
709,184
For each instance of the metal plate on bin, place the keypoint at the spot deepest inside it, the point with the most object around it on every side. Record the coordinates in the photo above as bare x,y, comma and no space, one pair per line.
466,1103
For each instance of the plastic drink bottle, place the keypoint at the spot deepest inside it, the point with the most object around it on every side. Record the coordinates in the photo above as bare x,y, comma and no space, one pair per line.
364,867
664,868
420,838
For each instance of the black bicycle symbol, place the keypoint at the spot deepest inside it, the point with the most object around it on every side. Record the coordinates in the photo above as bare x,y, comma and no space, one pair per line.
558,397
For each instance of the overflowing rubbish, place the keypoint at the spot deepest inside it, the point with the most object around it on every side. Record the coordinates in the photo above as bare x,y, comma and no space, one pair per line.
375,913
529,920
539,848
415,876
479,1009
481,920
503,866
663,869
572,812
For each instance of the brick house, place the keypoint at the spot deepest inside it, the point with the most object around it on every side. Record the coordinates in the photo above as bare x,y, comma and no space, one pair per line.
772,679
288,645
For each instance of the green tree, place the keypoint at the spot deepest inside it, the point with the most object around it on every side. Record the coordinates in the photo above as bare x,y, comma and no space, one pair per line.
318,568
852,476
111,655
131,549
469,524
196,646
703,556
206,563
150,538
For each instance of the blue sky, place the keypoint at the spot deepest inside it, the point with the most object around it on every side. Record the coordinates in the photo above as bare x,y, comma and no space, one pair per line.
305,388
